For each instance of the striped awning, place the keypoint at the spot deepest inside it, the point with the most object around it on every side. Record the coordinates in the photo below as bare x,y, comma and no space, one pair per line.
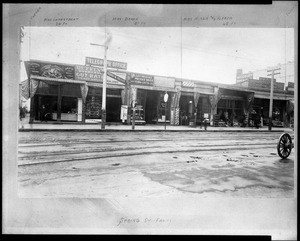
188,84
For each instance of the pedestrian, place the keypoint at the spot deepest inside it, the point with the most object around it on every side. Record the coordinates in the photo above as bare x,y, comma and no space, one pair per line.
22,113
42,113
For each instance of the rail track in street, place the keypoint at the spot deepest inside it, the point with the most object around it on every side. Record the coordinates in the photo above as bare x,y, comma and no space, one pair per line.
80,148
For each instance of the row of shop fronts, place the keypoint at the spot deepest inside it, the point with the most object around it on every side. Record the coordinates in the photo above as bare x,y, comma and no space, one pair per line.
57,95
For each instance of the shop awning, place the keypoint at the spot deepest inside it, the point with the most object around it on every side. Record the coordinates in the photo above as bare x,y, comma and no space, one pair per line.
47,79
29,87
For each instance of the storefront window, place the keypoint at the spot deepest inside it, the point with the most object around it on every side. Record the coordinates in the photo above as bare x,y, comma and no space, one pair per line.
69,105
93,107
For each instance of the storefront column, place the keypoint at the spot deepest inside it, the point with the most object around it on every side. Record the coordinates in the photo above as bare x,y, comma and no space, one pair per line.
196,99
175,108
132,94
59,103
233,111
248,106
284,114
214,99
83,111
32,109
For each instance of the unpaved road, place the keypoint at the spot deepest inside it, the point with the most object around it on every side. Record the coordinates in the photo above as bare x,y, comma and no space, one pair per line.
153,164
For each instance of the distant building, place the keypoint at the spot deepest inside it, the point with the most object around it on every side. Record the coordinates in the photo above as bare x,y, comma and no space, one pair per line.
286,74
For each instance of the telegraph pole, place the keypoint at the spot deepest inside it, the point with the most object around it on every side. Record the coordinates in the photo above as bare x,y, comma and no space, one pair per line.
103,109
103,116
271,95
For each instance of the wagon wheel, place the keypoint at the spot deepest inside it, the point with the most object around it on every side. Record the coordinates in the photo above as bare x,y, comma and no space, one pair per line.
284,146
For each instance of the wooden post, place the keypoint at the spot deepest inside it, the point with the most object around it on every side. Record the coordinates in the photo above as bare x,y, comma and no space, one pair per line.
59,103
271,96
83,111
32,109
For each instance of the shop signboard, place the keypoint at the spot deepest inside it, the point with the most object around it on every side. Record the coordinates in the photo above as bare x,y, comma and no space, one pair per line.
95,74
167,82
50,70
88,73
124,113
110,63
141,79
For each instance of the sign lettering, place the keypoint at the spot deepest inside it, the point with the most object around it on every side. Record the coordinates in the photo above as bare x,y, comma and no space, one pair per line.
116,77
110,63
141,79
88,73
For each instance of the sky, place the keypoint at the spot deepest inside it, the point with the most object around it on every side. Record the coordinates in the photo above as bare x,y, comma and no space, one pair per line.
206,54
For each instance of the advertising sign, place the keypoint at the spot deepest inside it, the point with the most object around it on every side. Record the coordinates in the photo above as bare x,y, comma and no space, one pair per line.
110,63
50,70
88,73
124,113
141,79
167,82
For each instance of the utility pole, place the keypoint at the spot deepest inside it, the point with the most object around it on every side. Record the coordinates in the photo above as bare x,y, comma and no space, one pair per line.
103,116
103,109
166,96
271,95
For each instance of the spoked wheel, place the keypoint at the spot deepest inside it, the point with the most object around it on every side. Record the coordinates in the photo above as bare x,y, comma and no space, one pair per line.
284,146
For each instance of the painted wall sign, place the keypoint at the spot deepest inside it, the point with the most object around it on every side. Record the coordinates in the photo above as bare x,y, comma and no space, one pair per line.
164,82
141,79
50,70
88,73
110,63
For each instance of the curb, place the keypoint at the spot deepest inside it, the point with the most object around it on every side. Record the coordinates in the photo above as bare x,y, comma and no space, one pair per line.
116,130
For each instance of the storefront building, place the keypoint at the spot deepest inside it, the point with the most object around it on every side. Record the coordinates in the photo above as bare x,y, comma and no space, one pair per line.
73,93
282,113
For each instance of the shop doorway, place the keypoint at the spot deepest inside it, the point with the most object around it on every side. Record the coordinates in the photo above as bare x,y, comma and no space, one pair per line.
151,106
186,105
113,109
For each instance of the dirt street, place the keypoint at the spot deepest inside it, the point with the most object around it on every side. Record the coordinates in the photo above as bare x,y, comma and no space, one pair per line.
153,164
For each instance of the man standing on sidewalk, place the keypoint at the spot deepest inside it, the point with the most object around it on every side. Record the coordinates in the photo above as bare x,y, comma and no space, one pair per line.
43,112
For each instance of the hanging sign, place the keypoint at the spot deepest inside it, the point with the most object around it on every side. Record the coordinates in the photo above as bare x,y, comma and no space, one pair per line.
116,77
166,96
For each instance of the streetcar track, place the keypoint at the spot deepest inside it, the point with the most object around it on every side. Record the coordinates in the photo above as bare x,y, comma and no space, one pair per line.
140,153
67,142
27,155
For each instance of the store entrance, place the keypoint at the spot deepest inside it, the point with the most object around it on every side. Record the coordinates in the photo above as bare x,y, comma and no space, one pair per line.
113,109
186,105
151,111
